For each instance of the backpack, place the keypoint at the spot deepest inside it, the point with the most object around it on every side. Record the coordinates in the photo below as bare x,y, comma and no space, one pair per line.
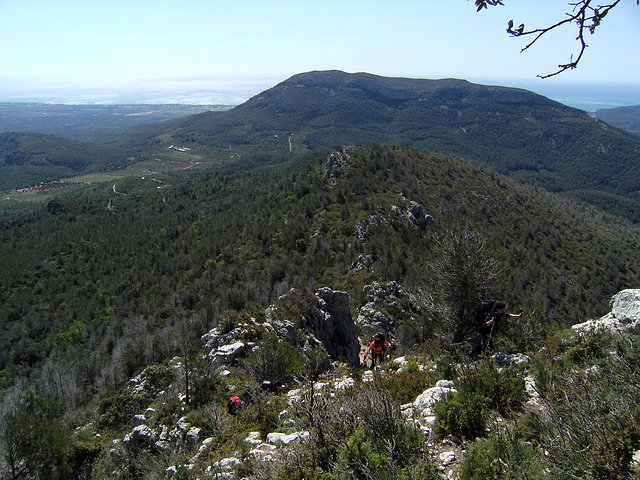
484,310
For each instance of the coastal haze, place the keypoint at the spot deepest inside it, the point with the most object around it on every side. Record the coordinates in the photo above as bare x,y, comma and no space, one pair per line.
233,90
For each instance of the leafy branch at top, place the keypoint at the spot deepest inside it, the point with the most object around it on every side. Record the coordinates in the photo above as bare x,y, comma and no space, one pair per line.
584,15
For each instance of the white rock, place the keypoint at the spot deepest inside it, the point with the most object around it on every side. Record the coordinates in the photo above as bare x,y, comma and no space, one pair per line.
163,445
625,313
625,306
367,376
253,438
139,420
140,434
345,384
400,361
447,458
171,471
193,435
226,464
265,447
182,424
427,399
276,438
445,384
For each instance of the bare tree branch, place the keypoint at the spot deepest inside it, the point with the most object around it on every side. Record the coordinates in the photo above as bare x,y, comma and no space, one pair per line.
585,14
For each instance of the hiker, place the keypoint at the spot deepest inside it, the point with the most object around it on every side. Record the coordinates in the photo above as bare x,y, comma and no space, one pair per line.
378,347
273,387
234,405
488,316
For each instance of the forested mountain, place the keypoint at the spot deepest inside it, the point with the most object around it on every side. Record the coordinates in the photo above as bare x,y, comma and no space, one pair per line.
237,241
622,117
514,131
95,289
27,159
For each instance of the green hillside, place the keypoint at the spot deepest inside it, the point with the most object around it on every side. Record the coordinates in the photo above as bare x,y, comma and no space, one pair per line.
100,287
27,159
627,118
514,131
239,240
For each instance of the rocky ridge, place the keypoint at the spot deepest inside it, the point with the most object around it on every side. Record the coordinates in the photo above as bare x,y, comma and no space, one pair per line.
331,311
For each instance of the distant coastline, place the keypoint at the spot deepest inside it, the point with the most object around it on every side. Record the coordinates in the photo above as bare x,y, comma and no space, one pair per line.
234,90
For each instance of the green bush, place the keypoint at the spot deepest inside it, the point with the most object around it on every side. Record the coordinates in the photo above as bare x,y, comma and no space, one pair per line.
360,455
274,359
589,347
404,386
158,377
464,413
34,444
502,457
503,387
117,410
482,387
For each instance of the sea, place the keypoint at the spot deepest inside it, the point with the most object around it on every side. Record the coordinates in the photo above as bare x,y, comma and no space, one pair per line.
234,90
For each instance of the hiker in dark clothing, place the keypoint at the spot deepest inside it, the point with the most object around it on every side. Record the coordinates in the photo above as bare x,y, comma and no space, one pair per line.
378,347
273,387
488,316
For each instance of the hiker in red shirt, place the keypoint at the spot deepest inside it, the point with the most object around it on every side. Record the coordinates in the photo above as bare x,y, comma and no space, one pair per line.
234,405
378,347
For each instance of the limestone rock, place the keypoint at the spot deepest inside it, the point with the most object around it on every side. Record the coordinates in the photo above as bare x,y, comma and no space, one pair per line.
334,326
139,436
447,458
625,314
280,439
625,306
422,409
337,164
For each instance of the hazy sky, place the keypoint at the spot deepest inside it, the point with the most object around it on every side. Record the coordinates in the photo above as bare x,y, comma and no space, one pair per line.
103,40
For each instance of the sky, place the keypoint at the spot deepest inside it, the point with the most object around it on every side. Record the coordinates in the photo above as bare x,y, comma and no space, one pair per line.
242,46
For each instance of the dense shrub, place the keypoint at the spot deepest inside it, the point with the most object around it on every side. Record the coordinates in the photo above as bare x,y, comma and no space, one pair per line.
405,385
273,360
34,443
118,409
503,456
482,387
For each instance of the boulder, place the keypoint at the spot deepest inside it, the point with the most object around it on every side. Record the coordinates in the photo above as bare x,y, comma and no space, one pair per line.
139,420
625,306
447,458
226,354
193,436
280,439
422,409
625,314
139,436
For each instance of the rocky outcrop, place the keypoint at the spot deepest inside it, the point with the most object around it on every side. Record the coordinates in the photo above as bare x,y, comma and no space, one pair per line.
389,306
324,321
337,164
415,214
335,327
625,314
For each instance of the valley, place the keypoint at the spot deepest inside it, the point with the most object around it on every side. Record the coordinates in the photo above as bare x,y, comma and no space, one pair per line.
150,278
